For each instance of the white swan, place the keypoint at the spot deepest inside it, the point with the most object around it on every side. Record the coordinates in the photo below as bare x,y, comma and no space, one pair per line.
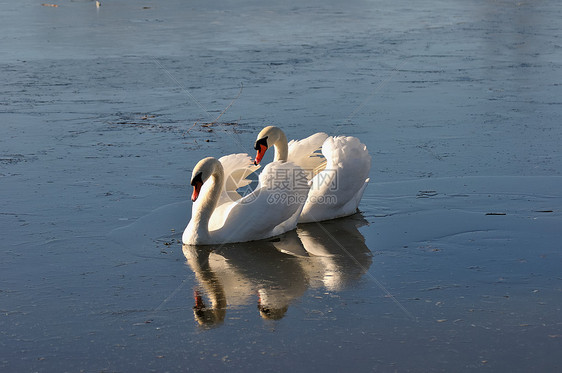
337,177
220,215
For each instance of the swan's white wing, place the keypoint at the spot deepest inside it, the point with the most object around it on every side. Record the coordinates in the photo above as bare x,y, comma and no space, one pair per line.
337,190
272,209
237,169
306,153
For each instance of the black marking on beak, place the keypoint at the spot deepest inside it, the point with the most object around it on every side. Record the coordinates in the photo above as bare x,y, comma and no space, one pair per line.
262,141
197,179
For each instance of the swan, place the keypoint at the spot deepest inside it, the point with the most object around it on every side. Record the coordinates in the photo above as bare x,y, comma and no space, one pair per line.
337,176
220,215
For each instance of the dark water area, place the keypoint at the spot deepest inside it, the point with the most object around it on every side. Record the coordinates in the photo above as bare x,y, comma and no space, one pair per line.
453,263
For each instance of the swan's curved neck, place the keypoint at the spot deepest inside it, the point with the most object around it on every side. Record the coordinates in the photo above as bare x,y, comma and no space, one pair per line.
202,211
281,147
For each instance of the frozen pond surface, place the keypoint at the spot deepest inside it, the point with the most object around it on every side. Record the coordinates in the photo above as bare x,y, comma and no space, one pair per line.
454,262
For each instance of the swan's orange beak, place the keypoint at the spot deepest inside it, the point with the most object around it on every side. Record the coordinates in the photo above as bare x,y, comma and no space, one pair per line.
196,189
260,154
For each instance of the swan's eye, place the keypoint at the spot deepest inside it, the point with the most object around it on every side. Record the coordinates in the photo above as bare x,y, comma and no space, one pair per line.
262,141
197,179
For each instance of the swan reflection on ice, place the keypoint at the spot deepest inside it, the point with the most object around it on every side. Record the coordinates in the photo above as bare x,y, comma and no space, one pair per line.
273,273
338,254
